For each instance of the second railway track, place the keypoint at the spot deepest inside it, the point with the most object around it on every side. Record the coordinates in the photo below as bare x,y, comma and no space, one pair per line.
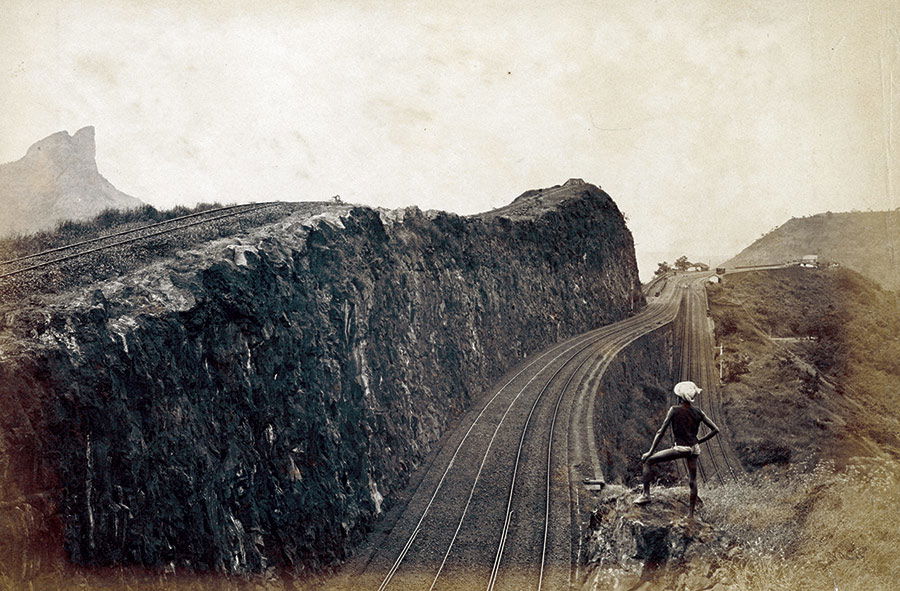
86,262
60,254
719,463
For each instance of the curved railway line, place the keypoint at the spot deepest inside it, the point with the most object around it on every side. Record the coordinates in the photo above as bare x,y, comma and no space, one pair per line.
579,346
500,505
58,270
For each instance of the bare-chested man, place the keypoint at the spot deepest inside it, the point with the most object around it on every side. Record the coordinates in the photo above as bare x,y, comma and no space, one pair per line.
685,420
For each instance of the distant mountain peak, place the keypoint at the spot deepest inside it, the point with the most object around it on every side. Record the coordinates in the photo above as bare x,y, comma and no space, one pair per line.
82,141
61,150
56,180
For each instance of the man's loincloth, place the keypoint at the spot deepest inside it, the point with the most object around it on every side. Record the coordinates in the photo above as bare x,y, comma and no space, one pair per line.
694,450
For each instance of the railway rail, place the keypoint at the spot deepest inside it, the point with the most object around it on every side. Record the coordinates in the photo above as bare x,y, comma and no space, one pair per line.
654,287
392,572
761,267
63,269
501,505
55,256
618,340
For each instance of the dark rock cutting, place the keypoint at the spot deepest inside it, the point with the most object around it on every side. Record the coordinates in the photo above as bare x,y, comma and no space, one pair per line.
259,400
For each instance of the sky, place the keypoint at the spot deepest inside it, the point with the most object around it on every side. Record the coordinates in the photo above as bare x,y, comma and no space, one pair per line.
709,122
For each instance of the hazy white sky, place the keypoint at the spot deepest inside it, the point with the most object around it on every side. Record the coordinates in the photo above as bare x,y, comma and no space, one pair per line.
708,121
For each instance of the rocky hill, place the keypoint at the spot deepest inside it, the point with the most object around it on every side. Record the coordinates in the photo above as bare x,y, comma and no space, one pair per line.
867,242
56,180
259,400
810,367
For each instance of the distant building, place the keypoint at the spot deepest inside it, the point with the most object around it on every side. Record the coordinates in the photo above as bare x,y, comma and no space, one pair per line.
720,270
715,279
698,267
809,260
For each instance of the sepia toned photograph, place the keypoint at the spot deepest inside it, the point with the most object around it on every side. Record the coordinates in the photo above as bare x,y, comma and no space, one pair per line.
405,295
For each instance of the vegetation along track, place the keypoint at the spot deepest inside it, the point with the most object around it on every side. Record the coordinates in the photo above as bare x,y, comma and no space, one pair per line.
495,509
62,253
87,261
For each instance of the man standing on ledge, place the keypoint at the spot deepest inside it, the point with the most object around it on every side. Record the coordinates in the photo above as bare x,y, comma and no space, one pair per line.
685,420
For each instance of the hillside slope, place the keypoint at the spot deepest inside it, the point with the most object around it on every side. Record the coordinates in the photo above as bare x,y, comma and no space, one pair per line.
56,180
810,370
258,401
811,363
867,242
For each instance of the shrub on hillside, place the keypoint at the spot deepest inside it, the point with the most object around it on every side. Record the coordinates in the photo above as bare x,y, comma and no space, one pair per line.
764,453
736,364
727,324
810,384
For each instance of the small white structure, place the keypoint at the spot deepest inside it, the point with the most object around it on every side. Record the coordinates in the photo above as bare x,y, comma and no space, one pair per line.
715,279
593,484
809,260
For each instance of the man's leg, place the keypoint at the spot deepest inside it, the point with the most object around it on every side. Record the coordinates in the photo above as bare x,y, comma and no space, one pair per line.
692,475
665,455
647,474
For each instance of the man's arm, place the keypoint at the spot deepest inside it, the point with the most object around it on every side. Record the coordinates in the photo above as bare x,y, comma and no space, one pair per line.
658,435
713,430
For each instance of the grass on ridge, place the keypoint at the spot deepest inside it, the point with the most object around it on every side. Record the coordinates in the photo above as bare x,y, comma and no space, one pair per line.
106,222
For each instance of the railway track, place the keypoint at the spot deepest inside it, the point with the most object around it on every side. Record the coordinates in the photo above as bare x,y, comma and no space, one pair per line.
707,374
500,469
601,351
719,464
62,254
60,270
564,496
655,286
502,506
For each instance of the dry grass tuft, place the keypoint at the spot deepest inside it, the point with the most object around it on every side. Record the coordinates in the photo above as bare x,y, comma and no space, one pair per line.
819,530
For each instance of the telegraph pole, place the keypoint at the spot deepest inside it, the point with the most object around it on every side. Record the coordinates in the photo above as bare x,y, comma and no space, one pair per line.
721,360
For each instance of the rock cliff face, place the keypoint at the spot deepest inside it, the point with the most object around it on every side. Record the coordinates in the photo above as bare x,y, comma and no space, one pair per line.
56,180
635,393
654,547
258,401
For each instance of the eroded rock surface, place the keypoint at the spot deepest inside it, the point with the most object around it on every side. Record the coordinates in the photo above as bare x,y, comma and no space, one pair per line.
653,546
635,393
